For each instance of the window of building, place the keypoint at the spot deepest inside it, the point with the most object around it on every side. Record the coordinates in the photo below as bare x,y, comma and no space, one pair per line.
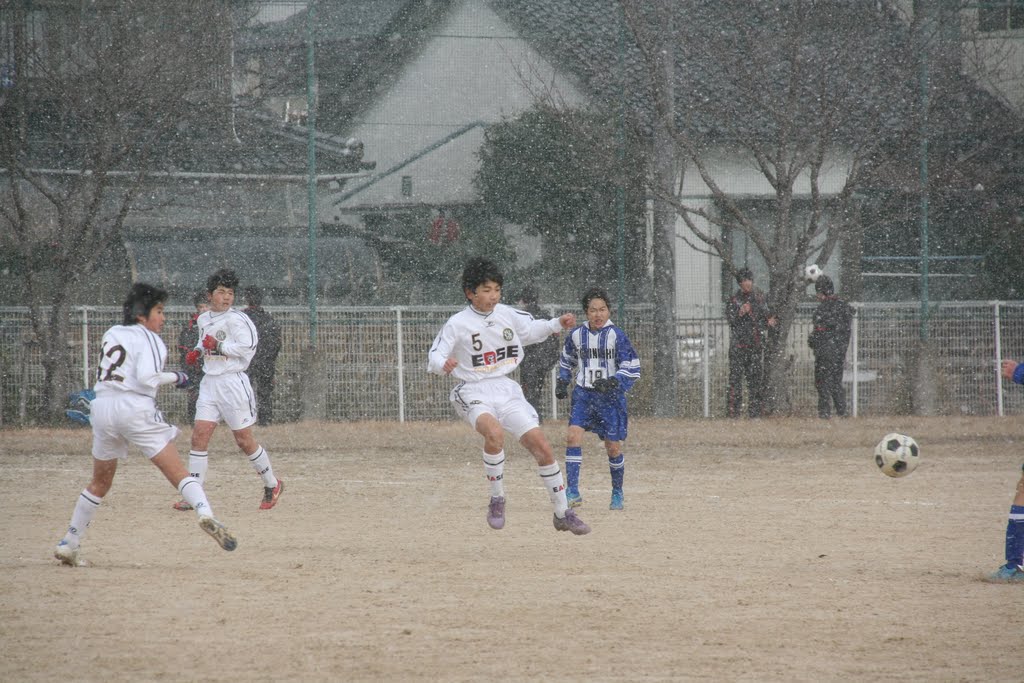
1001,15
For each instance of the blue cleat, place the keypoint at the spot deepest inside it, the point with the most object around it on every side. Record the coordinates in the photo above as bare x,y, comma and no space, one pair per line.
573,498
616,503
1008,574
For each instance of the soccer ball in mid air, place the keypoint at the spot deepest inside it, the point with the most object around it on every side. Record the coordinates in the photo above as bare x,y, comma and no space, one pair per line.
812,273
897,455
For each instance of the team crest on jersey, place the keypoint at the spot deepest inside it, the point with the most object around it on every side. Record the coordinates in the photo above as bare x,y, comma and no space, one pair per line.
507,334
221,335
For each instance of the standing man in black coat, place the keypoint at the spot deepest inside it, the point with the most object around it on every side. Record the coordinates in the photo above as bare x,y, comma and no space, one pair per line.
188,339
749,320
832,324
263,365
536,366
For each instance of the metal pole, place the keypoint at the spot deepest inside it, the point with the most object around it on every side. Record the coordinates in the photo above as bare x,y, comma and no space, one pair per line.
999,357
924,179
85,347
401,365
620,198
855,399
311,169
705,360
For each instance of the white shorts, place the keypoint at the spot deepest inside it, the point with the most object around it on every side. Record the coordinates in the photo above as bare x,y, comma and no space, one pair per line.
123,418
227,397
501,397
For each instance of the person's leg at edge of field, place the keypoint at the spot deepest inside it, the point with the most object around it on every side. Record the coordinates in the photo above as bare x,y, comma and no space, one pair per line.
1013,570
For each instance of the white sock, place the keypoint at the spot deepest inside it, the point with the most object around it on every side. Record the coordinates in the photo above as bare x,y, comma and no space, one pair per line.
260,462
197,464
551,475
494,469
192,491
85,509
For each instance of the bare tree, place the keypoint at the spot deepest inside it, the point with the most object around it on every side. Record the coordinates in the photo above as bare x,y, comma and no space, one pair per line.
97,92
804,92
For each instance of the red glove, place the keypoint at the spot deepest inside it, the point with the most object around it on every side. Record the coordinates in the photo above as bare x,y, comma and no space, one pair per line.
192,357
210,343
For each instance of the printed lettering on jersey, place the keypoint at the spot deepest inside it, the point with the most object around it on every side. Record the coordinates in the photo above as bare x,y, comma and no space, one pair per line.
490,358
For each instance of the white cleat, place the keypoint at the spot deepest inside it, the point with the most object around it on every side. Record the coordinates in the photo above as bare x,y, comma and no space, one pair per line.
66,554
225,539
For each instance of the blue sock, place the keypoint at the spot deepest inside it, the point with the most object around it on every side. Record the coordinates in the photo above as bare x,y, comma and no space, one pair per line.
573,462
618,468
1015,536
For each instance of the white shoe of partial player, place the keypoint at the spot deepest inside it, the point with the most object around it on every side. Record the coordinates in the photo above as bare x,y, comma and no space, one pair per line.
66,554
225,539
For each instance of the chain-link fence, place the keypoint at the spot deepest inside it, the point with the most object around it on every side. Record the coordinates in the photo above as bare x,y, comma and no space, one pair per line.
374,361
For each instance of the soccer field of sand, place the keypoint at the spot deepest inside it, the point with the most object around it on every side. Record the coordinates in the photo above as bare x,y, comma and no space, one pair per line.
748,550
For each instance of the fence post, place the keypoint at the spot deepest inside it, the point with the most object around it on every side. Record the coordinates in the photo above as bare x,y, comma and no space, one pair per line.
856,359
401,364
706,360
999,355
85,346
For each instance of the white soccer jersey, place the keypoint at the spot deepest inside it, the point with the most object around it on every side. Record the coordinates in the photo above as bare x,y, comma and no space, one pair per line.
131,359
487,344
237,336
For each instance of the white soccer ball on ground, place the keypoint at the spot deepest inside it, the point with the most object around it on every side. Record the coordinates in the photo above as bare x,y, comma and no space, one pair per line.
812,273
897,455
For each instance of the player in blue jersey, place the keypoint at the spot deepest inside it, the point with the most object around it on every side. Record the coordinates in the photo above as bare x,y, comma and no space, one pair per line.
480,346
601,362
1013,570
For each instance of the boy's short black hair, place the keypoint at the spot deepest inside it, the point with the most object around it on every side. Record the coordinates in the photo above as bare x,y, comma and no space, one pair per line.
595,293
744,274
224,277
479,270
141,299
200,297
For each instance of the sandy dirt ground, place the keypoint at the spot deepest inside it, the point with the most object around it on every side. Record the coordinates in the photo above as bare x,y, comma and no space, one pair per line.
769,550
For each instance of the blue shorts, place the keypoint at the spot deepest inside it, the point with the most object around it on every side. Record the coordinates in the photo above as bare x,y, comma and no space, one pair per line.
603,414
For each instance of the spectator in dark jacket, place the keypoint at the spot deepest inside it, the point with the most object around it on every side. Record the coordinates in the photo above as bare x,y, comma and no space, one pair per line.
830,335
749,320
262,368
537,364
188,339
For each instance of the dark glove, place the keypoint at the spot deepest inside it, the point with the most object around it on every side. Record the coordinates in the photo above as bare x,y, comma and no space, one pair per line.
183,381
604,386
192,357
210,343
562,388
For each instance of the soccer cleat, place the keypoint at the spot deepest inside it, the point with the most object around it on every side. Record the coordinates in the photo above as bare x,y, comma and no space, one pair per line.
573,498
616,503
1008,574
571,523
270,495
225,539
66,554
182,506
496,512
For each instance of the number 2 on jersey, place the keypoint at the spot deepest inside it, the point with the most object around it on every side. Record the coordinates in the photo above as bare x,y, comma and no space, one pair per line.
110,360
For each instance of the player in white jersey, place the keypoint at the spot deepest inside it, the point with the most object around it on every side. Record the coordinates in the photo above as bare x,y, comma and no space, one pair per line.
131,369
227,342
480,346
